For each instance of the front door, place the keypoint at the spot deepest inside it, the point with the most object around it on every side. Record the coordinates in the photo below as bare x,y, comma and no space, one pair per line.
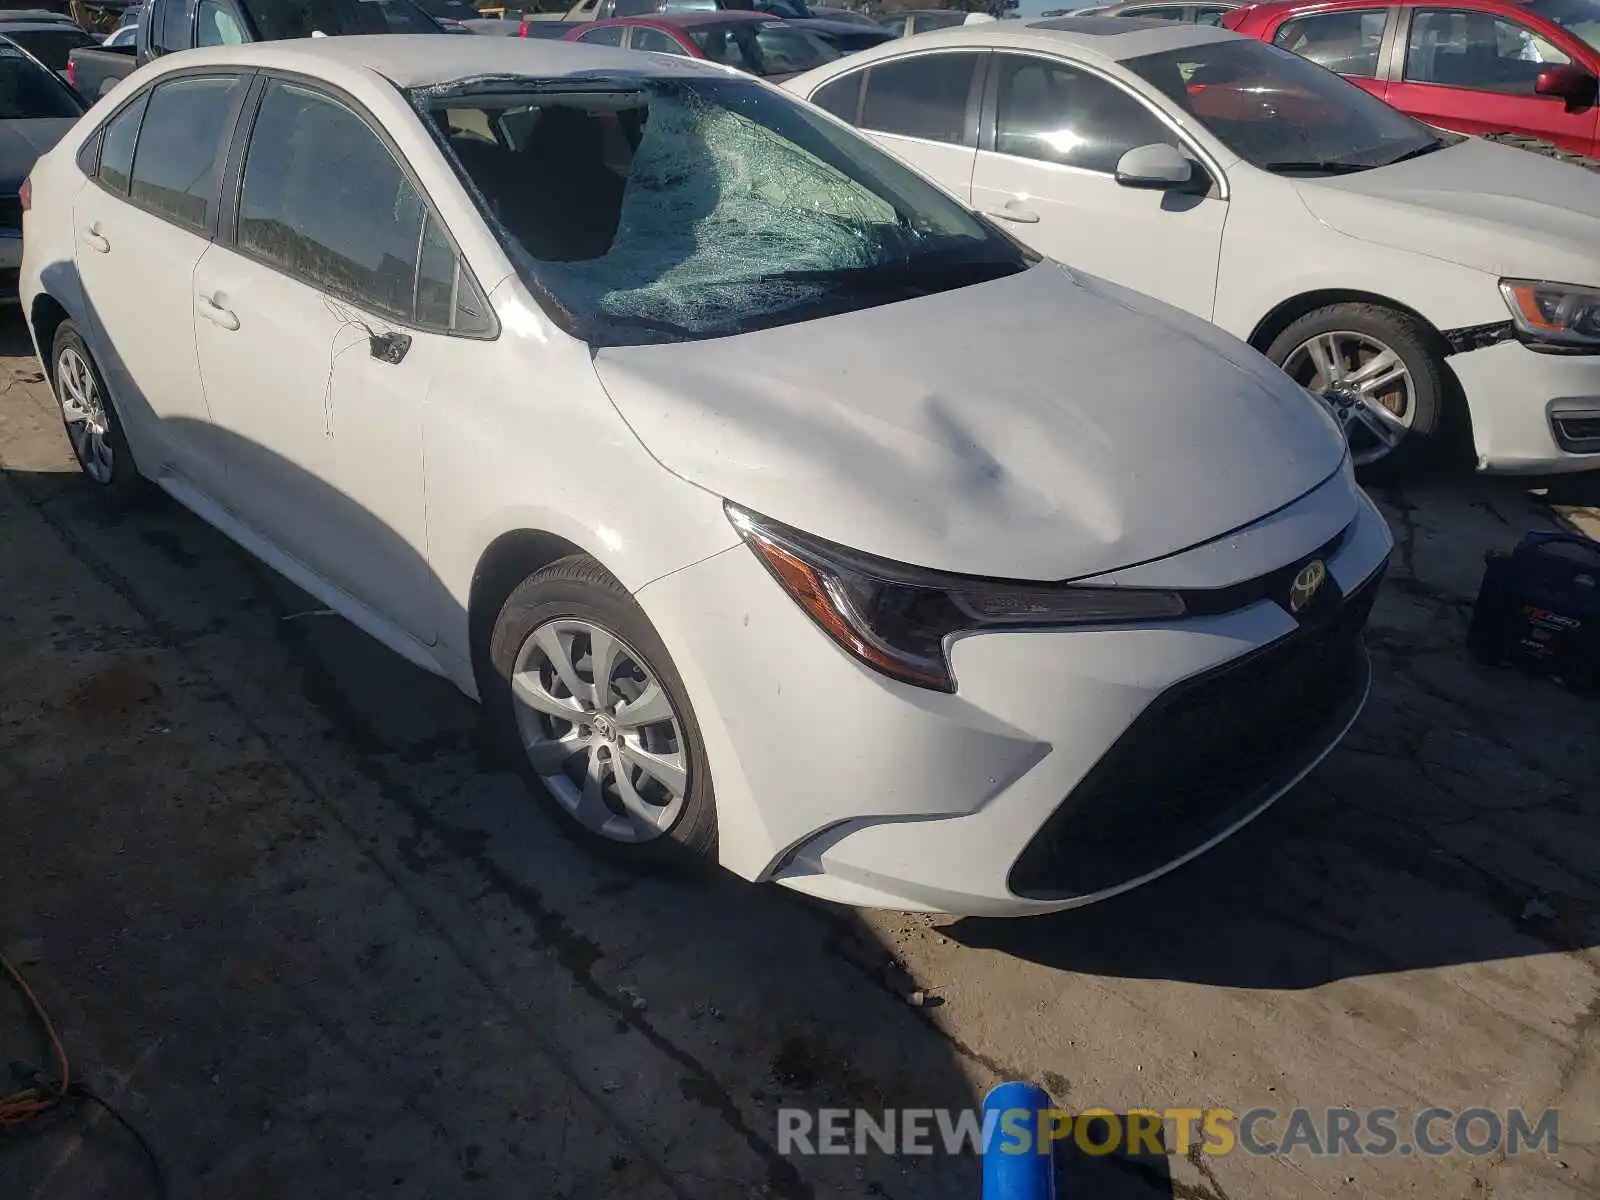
314,371
1049,178
1474,72
140,227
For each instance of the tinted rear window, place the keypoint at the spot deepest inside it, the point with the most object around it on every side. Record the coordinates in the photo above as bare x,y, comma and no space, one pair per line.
27,91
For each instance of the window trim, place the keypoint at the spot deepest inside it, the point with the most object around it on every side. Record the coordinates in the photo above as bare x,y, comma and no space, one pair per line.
1402,49
245,75
991,112
970,126
227,224
1384,64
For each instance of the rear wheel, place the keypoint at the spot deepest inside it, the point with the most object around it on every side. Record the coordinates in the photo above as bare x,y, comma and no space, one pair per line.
586,701
1380,373
91,422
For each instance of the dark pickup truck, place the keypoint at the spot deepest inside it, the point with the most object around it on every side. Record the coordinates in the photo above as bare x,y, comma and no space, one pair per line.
169,25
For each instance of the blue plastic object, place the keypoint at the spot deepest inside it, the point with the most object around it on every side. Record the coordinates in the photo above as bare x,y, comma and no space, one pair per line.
1013,1170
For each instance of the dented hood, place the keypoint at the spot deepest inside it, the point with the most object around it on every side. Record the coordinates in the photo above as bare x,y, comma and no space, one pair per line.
1041,426
1479,204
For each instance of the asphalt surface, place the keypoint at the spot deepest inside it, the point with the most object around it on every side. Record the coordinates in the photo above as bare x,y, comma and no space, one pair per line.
296,923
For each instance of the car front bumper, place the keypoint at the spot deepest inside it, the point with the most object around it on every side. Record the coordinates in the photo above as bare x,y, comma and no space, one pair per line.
1531,413
1068,766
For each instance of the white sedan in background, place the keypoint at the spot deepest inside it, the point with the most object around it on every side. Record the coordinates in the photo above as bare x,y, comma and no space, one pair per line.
1395,270
780,512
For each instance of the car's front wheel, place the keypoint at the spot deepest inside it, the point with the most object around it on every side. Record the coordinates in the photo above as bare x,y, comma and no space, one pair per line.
1380,373
91,421
585,699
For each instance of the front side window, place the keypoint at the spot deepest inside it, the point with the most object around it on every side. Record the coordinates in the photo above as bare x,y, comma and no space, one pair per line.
1346,42
323,199
176,162
787,51
28,91
1054,113
606,35
695,207
923,96
1476,50
1159,12
1281,113
645,38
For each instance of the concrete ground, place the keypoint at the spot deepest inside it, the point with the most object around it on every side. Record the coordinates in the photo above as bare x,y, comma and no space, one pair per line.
298,926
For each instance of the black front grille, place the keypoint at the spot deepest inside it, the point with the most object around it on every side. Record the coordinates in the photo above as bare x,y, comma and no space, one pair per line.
10,212
1203,755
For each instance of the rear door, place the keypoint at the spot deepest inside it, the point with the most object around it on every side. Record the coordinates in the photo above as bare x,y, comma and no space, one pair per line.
1474,72
1349,41
321,330
1053,133
922,107
140,228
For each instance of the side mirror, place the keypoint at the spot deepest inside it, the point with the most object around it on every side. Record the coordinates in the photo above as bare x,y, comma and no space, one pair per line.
1567,82
1157,165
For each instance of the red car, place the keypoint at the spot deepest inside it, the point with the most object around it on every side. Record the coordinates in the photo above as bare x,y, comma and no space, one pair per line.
1476,66
752,42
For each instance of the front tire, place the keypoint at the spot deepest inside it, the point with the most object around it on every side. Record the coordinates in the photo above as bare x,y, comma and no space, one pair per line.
1381,372
90,419
585,700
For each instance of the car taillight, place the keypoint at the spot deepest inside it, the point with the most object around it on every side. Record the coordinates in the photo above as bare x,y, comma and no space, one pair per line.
522,30
25,194
72,73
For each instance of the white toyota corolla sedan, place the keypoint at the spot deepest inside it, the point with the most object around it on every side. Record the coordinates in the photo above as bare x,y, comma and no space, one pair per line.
1394,269
781,512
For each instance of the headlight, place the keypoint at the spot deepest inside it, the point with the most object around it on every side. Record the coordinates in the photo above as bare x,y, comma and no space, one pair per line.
1559,314
895,618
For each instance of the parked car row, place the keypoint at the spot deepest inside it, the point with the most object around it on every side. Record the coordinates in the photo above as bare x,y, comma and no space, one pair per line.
826,531
1426,285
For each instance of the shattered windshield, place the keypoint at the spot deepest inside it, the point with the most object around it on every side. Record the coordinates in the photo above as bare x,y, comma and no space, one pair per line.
673,208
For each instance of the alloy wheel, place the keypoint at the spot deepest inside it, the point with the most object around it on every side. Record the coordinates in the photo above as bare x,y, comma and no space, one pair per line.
599,730
84,412
1366,385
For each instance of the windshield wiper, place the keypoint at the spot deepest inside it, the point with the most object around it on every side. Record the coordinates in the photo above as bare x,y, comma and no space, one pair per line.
930,270
1417,152
1322,166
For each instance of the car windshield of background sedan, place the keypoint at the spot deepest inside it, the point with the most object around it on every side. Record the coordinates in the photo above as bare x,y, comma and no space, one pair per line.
1281,113
28,91
769,49
679,208
1580,18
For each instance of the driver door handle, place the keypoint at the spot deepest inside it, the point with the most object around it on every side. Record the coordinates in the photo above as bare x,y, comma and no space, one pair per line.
214,312
95,240
1015,211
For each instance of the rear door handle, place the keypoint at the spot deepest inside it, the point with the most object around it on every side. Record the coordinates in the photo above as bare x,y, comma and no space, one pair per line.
96,241
214,312
1015,211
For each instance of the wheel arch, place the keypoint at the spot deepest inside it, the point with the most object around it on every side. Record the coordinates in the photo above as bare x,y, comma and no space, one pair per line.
505,562
1287,312
46,315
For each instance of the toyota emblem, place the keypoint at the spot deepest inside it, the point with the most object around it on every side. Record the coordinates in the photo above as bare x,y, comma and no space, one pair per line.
1306,585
